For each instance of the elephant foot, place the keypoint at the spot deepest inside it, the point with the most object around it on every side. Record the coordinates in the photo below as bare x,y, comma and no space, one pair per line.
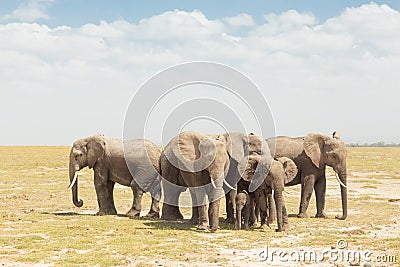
321,215
171,213
265,226
341,217
152,215
254,224
285,227
213,230
103,212
194,220
230,220
202,227
171,216
133,213
246,227
302,215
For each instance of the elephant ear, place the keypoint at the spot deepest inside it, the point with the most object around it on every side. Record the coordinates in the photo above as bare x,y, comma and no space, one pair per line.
289,167
208,152
236,145
95,149
313,145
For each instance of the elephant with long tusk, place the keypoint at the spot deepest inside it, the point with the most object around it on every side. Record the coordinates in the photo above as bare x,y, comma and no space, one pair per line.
312,154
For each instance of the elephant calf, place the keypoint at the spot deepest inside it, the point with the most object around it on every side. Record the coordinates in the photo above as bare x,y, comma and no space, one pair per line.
282,171
244,209
114,161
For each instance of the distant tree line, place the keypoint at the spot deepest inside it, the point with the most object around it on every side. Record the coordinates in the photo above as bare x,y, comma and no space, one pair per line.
377,144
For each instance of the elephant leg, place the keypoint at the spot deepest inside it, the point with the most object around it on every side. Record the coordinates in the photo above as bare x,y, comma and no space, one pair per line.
170,208
271,209
195,210
307,186
285,217
102,187
155,192
154,212
213,212
248,212
320,190
201,209
278,196
230,206
252,212
214,197
110,186
203,218
263,218
137,200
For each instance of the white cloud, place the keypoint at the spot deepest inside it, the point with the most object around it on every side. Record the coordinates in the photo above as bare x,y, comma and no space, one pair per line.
177,25
290,20
240,20
340,74
29,11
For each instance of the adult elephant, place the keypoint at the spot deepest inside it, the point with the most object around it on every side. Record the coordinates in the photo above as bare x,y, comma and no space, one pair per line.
312,154
111,165
200,162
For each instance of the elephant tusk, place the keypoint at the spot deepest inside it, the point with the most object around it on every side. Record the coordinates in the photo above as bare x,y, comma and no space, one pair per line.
340,182
73,181
228,185
213,184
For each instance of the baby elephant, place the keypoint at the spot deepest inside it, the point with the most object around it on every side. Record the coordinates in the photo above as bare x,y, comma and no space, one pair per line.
281,171
244,209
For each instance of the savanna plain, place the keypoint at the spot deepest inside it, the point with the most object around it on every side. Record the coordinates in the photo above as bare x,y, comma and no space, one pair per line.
39,225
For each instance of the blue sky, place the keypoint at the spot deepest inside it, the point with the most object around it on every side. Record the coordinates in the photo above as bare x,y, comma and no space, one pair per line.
78,12
69,68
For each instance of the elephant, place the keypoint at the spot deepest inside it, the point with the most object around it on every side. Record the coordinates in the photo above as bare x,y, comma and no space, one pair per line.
312,154
197,151
133,163
283,170
244,209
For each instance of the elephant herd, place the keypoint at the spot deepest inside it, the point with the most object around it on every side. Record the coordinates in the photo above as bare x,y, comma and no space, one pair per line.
249,171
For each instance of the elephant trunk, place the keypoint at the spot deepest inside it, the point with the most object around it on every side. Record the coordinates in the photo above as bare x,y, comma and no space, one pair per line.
74,184
278,197
343,190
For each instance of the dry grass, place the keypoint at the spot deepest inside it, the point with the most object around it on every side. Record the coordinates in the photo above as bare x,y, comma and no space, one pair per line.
40,225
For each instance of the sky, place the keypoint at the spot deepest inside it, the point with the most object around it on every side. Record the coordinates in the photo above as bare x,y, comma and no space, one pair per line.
69,68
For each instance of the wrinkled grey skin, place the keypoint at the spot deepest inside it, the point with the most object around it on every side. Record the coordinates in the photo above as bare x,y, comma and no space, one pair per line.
312,154
244,208
236,180
106,157
282,171
267,215
231,147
